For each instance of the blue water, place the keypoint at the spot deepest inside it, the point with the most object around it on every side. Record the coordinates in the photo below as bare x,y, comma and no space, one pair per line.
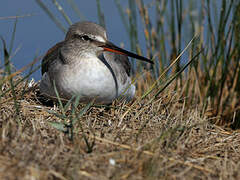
37,33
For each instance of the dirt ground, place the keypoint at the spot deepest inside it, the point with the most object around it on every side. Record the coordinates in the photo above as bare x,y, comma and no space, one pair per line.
164,139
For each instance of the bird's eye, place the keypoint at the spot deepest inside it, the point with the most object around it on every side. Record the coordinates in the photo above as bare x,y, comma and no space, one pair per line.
85,38
82,37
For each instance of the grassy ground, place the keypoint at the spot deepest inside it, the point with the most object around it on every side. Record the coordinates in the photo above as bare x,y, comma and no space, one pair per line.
182,132
158,140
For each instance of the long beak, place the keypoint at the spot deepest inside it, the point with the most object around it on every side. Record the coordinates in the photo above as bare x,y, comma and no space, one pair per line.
108,46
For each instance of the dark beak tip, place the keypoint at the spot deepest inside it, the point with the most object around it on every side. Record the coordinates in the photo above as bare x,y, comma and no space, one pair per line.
108,46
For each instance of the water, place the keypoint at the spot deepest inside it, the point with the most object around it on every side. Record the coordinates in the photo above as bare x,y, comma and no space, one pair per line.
37,33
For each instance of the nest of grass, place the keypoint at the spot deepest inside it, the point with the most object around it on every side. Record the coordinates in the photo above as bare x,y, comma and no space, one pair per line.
163,139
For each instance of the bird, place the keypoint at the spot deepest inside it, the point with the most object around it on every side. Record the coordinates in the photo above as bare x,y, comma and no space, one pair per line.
88,66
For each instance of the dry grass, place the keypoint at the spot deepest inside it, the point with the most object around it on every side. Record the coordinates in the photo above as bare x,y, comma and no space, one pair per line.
161,140
174,136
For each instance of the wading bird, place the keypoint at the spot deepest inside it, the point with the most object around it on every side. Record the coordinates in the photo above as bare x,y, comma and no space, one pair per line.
87,65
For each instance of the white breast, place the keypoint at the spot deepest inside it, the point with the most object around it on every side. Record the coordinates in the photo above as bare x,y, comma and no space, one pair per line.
88,78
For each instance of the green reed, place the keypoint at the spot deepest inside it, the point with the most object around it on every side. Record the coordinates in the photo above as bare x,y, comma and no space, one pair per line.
212,80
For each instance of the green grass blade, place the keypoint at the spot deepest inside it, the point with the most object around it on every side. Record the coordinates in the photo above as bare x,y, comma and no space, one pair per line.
78,115
60,9
60,116
177,74
122,15
13,36
83,111
8,71
75,9
59,126
58,97
69,103
157,82
101,18
51,15
21,80
14,17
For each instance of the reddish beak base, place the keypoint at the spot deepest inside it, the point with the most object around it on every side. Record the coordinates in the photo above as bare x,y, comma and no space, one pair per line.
108,46
113,50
